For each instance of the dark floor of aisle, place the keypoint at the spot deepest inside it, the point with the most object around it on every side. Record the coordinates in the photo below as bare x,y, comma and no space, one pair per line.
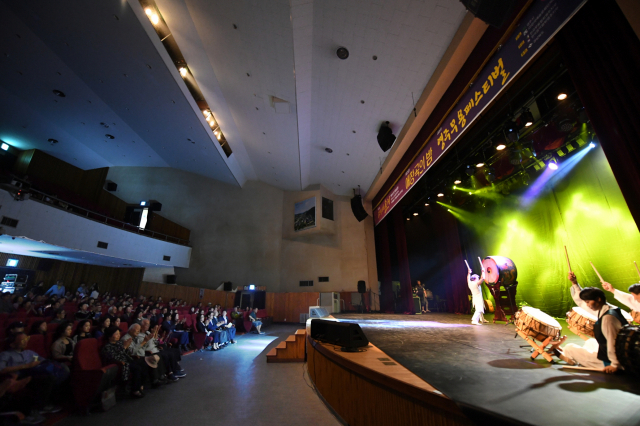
231,386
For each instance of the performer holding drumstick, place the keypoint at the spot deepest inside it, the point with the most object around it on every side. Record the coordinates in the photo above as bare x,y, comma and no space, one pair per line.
631,300
475,285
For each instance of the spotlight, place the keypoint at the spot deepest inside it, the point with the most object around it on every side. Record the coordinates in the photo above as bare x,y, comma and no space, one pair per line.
500,147
470,193
515,157
183,71
153,17
511,130
448,210
489,175
408,218
4,146
143,203
252,287
455,187
470,171
553,165
562,96
457,181
480,165
591,145
426,204
440,194
415,214
527,118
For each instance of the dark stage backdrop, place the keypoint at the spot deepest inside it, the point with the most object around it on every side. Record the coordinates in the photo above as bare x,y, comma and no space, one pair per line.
584,210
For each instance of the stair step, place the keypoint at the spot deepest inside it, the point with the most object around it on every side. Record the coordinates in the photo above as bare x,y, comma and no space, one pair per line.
302,331
282,345
291,338
273,352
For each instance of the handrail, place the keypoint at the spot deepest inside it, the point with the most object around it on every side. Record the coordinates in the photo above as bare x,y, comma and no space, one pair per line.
60,204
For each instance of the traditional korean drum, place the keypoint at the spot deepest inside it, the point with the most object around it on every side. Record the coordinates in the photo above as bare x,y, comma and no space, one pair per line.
581,322
628,348
536,324
499,270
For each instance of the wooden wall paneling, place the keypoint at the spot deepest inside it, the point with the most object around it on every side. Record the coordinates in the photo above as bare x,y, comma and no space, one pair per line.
92,183
21,166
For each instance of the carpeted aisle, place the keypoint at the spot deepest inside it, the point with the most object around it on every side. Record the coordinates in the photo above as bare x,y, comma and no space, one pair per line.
228,387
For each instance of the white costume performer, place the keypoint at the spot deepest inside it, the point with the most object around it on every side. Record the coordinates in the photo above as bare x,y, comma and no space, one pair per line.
475,285
627,299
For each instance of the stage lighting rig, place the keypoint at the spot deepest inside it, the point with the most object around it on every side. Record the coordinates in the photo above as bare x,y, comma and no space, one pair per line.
489,174
511,130
527,118
470,170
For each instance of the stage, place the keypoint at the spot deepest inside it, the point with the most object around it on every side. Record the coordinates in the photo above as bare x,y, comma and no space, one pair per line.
487,373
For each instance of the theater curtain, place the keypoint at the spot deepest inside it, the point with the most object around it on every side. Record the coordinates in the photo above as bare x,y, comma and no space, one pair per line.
602,54
383,254
404,273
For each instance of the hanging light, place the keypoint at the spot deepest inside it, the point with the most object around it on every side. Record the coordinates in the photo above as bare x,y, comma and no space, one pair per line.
527,118
511,130
183,71
562,96
500,147
481,164
457,182
440,194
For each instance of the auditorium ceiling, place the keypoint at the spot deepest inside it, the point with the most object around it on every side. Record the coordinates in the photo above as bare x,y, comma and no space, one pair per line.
267,69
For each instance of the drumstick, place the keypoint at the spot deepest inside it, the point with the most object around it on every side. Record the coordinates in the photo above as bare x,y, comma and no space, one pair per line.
597,273
466,263
634,262
567,256
481,265
575,367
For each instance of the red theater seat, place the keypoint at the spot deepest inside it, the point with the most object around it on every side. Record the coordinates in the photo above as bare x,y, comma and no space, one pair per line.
124,327
90,378
37,344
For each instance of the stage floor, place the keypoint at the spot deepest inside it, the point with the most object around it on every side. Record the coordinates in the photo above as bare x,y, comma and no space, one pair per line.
486,372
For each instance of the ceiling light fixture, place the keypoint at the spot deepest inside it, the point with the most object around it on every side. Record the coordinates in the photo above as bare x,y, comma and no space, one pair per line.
426,204
527,118
457,181
153,17
329,150
480,165
562,96
500,147
183,71
4,146
440,194
415,214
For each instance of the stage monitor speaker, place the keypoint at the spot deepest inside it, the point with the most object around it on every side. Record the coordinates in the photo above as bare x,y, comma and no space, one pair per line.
171,279
493,12
111,186
386,138
228,285
155,206
362,287
317,312
358,210
345,334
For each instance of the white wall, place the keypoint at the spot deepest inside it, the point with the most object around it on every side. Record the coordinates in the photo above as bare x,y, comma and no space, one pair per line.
242,234
42,222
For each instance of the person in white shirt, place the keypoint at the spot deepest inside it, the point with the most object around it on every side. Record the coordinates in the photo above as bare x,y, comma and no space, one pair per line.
602,354
475,285
631,300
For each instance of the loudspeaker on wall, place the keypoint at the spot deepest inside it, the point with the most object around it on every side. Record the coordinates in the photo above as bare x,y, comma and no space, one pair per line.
358,210
171,279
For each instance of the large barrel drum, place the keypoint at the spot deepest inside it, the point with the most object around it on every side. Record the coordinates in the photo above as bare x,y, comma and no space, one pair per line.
628,348
499,269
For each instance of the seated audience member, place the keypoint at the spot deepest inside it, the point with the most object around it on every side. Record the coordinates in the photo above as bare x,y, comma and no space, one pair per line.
95,291
38,327
228,325
50,308
82,289
63,344
6,307
201,326
103,325
57,289
253,317
46,376
115,352
83,331
174,328
154,317
83,313
17,301
14,328
28,309
116,322
236,313
137,316
59,318
127,316
221,335
111,313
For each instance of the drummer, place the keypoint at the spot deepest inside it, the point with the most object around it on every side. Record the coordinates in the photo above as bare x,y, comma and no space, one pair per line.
575,295
475,285
631,300
602,354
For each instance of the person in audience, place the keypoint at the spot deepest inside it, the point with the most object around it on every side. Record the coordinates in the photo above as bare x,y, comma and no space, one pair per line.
14,328
201,326
83,331
94,291
56,289
38,290
83,313
38,327
174,328
28,309
225,336
96,313
63,344
17,359
111,313
138,316
51,308
17,301
126,316
219,336
229,326
147,343
115,352
253,317
59,316
154,317
82,289
116,322
236,313
103,325
6,307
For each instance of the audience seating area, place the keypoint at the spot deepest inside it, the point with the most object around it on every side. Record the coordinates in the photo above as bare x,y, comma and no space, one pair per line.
90,379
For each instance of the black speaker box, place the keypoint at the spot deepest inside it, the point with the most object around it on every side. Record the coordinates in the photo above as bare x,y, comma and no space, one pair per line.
386,138
112,186
171,279
362,287
358,210
346,334
155,206
493,12
228,285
